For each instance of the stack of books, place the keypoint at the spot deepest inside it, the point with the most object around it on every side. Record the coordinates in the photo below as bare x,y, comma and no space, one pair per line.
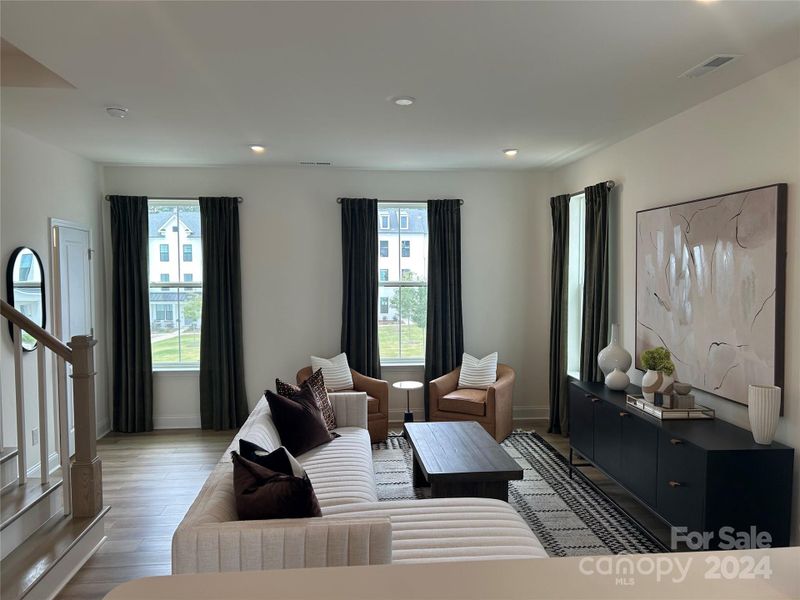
660,412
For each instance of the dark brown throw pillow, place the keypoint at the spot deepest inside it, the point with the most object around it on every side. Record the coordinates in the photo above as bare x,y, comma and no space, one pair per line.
264,493
317,385
298,421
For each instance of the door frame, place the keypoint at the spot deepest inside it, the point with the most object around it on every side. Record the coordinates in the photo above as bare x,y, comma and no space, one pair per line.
55,294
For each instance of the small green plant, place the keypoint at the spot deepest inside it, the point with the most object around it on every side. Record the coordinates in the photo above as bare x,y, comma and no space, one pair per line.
658,359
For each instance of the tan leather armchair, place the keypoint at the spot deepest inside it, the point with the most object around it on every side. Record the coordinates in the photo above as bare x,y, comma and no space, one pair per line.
492,408
377,391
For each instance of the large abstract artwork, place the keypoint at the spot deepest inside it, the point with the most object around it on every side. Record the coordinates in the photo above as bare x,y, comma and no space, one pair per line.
710,287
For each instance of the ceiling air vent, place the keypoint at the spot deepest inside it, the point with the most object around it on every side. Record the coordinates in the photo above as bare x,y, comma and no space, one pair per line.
311,163
710,64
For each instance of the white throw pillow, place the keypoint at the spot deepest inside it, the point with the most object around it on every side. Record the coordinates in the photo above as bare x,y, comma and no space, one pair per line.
477,373
335,372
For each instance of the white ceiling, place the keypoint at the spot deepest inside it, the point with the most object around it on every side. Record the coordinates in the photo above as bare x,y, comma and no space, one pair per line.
310,80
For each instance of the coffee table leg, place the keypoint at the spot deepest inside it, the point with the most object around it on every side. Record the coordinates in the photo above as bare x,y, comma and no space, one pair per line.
417,476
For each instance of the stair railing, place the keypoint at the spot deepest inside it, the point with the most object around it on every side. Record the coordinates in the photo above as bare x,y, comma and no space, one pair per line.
82,478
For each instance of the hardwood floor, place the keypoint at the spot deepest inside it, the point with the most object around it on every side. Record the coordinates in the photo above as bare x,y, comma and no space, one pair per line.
149,481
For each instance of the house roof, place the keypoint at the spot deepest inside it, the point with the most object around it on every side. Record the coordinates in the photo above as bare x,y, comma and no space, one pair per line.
157,220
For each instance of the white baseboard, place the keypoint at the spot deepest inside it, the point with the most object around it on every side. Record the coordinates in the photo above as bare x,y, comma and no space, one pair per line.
531,412
53,463
177,422
521,413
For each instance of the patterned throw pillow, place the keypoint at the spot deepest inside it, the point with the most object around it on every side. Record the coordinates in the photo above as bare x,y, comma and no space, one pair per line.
317,385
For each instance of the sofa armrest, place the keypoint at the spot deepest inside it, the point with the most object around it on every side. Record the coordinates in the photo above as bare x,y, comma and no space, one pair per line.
500,395
350,408
377,388
281,544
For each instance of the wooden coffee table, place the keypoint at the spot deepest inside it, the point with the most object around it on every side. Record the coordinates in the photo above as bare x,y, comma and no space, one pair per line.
458,459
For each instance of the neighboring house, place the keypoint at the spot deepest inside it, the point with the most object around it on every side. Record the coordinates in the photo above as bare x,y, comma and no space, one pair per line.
403,259
176,258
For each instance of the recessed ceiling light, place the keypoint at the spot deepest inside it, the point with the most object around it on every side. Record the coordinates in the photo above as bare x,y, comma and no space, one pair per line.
511,152
119,112
258,149
404,100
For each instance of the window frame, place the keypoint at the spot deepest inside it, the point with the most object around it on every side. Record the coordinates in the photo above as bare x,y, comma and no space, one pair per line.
190,248
388,221
381,245
177,286
161,249
401,217
575,282
399,206
405,248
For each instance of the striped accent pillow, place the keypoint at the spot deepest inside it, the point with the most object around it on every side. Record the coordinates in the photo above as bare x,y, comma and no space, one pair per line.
335,371
477,373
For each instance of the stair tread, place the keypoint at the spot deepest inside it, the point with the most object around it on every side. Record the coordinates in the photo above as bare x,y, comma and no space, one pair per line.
19,499
31,561
7,453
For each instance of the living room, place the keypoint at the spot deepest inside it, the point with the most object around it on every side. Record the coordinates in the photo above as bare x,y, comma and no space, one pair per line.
472,128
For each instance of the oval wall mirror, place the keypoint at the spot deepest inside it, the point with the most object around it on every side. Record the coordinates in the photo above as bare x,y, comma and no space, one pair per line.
25,290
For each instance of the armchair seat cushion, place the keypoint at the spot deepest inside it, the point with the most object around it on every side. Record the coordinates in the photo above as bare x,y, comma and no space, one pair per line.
465,401
373,405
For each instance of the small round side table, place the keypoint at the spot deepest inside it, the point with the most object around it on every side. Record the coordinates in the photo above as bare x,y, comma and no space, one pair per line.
408,386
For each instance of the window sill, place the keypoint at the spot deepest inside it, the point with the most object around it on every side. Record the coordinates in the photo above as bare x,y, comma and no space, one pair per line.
176,370
401,365
576,375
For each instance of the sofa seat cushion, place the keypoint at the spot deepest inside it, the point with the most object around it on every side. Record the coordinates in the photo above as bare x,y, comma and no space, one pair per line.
450,529
466,401
341,470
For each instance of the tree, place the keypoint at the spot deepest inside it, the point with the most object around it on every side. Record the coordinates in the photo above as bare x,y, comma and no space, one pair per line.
192,309
411,302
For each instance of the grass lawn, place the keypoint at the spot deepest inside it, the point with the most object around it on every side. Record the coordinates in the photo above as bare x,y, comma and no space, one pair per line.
166,351
413,338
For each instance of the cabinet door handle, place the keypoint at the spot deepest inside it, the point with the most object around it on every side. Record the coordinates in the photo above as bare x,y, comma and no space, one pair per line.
676,442
591,398
675,484
624,414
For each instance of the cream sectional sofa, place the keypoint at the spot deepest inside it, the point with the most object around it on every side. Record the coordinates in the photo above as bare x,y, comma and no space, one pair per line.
355,529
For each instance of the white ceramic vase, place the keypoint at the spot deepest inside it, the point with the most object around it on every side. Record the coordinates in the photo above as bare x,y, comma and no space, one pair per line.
615,358
617,380
656,382
763,408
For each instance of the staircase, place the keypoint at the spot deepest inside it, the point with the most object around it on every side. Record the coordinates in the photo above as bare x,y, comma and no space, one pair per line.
50,525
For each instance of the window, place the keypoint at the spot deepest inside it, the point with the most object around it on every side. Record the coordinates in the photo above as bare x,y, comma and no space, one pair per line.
577,227
403,285
175,297
384,220
25,264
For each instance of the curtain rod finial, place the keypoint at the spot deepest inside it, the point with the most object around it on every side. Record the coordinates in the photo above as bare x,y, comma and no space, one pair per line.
610,184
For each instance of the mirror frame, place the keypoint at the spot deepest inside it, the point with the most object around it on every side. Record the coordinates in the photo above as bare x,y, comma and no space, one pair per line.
10,289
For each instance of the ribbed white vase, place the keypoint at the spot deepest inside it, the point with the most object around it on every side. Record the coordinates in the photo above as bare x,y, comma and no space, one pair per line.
763,408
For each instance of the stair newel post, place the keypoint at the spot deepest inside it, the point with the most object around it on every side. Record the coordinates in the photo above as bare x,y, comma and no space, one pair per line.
86,472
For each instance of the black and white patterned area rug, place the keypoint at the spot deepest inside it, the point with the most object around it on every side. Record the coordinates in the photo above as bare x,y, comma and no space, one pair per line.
568,516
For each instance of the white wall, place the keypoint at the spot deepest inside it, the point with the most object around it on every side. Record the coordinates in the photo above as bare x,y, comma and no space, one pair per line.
746,137
292,272
40,181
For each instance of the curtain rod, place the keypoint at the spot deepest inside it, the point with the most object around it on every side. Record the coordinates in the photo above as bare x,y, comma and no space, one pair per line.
239,198
610,184
460,202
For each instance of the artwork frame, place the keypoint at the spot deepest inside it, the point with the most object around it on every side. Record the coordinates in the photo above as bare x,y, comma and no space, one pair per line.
705,338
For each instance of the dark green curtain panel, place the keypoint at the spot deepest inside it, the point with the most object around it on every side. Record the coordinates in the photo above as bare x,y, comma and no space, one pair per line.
360,285
594,329
223,400
444,339
133,369
559,277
